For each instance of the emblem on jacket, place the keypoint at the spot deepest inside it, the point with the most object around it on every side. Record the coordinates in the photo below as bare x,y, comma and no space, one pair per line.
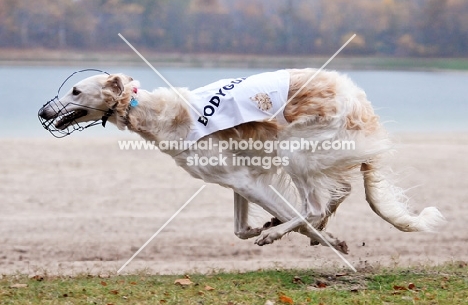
263,101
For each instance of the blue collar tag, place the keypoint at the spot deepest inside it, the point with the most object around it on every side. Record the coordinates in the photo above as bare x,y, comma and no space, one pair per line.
133,102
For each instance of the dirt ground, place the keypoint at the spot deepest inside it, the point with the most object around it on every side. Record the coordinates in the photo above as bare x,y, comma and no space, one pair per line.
78,205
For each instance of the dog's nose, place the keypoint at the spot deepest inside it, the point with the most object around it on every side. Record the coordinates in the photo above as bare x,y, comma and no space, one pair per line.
43,113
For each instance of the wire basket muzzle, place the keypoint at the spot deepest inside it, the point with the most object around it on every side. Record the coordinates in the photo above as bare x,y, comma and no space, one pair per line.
54,111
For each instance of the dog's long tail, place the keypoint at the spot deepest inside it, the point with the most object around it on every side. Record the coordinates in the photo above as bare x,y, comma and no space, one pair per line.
389,202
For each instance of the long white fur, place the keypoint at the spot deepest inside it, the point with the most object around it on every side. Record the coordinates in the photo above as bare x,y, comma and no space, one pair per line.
390,203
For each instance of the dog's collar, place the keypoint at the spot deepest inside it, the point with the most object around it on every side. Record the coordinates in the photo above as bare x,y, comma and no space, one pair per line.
133,103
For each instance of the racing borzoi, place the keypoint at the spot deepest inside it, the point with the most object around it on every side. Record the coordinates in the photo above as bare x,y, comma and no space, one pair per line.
327,107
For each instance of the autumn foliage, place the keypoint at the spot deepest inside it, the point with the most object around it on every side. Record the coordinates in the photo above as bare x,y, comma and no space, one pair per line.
295,27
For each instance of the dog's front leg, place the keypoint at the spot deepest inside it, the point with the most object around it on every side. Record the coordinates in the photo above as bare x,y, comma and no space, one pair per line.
241,219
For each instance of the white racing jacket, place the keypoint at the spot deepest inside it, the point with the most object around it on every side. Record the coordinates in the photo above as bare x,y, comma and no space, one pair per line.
231,102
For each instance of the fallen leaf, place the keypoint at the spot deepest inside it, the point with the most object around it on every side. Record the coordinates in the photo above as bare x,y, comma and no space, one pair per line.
201,293
411,286
162,301
209,288
114,291
396,287
183,282
321,284
133,283
341,274
19,286
285,299
103,283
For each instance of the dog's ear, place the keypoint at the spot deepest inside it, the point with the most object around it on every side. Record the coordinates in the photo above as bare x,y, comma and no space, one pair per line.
114,84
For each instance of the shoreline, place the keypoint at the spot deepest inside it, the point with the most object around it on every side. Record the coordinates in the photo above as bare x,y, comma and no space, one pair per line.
44,57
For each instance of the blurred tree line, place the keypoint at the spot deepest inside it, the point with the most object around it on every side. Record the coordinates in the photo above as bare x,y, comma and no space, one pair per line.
315,27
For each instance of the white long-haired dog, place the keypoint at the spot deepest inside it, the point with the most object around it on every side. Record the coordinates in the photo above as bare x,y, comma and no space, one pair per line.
329,108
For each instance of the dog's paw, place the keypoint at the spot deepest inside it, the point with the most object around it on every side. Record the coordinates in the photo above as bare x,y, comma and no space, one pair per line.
332,241
336,243
314,242
248,233
342,247
268,237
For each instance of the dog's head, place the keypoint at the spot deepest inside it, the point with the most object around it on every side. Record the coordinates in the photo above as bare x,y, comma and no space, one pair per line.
87,101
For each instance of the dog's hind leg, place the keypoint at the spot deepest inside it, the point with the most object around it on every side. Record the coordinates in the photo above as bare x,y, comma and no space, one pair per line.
334,204
332,207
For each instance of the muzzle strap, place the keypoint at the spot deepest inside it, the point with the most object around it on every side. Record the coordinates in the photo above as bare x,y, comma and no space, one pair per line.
106,116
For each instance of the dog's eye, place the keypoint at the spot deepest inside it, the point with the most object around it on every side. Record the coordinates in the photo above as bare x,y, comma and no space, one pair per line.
76,91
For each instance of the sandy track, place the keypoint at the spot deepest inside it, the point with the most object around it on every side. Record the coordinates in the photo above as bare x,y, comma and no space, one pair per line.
82,205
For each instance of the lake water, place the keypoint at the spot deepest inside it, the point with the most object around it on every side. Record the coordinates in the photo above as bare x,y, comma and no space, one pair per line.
406,101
